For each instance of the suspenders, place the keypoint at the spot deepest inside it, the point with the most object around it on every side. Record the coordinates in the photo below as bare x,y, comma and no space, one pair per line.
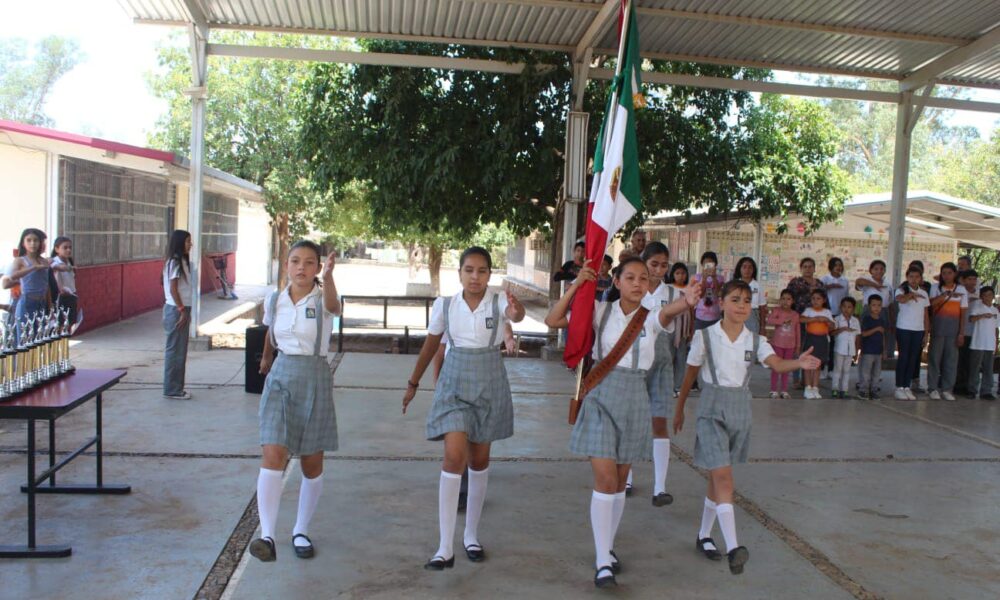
494,312
711,360
600,334
273,306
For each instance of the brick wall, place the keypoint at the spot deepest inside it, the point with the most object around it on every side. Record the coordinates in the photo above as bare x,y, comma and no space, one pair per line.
110,293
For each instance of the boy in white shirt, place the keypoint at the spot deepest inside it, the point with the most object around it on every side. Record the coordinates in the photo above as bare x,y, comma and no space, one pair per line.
846,332
985,319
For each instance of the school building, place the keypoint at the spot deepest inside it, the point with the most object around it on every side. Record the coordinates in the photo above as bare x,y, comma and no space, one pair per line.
118,203
938,228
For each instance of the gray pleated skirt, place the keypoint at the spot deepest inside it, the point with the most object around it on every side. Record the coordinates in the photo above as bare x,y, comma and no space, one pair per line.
660,378
723,426
296,408
472,396
614,419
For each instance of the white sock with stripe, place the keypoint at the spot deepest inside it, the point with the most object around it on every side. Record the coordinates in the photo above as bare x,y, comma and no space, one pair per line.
309,495
661,462
448,490
474,505
602,508
727,523
268,499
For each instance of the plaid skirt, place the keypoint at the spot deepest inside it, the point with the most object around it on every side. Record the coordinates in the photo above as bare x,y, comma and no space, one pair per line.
296,408
614,419
472,396
723,426
660,378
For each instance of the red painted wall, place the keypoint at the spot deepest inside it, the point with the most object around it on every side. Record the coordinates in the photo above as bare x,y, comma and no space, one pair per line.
110,293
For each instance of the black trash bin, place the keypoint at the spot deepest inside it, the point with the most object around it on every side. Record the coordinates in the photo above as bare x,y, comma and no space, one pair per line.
254,381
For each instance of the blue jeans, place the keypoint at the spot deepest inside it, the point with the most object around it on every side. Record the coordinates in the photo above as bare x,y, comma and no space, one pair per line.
27,306
175,358
908,362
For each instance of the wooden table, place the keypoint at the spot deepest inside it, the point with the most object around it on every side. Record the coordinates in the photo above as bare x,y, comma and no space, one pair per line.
47,403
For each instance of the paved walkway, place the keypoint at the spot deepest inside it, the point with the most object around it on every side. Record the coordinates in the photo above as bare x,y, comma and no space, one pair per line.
840,499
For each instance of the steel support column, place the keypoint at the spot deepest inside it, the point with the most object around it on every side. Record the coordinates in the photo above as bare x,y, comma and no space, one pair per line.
199,67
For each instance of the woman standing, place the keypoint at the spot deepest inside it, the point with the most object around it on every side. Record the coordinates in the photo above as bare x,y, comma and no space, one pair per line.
707,312
297,414
30,270
802,288
472,402
176,314
746,271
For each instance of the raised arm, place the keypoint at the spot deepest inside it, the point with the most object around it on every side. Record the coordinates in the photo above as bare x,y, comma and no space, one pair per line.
686,302
331,300
515,310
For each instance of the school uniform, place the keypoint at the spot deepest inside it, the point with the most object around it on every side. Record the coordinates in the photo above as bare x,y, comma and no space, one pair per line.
683,326
472,393
981,349
910,335
175,359
757,300
615,418
66,281
296,407
845,349
870,362
660,378
942,359
723,416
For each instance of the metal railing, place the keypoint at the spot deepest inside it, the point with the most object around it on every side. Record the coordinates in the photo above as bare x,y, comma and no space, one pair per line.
385,301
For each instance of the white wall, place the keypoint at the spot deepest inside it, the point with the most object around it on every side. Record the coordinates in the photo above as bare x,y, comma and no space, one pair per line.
22,195
253,253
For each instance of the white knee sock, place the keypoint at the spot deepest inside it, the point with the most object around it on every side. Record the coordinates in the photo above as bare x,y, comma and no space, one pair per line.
268,499
308,499
629,480
616,519
707,520
661,461
727,523
450,485
602,508
474,507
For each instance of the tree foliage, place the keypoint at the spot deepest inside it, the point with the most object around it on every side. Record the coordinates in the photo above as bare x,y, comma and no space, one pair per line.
26,80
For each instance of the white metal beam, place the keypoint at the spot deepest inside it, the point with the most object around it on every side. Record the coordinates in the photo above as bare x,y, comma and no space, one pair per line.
197,14
199,68
608,12
366,58
949,60
900,181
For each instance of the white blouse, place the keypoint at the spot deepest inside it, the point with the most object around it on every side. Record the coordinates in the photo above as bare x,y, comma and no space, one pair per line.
294,325
469,328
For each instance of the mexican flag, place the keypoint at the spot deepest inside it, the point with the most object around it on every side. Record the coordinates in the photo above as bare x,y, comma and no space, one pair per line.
614,191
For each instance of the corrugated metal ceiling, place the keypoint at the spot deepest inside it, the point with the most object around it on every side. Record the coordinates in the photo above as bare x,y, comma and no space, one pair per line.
884,38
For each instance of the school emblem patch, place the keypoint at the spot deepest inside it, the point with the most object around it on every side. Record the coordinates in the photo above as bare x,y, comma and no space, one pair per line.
489,323
616,176
748,355
310,313
664,302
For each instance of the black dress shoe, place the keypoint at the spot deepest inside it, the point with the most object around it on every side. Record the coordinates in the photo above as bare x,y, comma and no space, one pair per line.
605,578
988,397
263,549
475,553
710,553
616,565
738,557
438,563
303,551
628,489
662,499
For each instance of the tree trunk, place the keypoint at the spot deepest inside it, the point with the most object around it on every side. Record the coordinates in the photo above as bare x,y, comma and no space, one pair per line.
434,266
282,221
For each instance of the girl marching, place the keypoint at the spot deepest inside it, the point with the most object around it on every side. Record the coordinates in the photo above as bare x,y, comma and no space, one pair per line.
472,402
296,409
723,415
613,425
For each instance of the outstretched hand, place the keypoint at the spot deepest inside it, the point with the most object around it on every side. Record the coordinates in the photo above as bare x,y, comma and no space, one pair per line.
808,362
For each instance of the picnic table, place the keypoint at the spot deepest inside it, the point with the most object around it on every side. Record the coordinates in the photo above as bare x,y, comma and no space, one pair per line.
48,402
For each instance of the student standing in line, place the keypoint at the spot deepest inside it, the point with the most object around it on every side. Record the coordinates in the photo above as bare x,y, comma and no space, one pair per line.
64,272
472,402
297,415
969,279
873,328
912,325
802,288
818,324
707,313
723,414
30,270
846,333
949,304
176,313
985,319
785,340
836,286
613,425
683,324
571,268
746,271
604,278
877,284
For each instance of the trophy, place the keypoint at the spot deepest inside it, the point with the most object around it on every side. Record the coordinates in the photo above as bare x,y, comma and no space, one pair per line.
6,360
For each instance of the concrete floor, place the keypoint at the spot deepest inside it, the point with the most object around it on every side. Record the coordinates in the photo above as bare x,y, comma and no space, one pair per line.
825,511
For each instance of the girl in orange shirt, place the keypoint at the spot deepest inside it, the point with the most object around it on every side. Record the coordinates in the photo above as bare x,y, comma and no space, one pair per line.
818,320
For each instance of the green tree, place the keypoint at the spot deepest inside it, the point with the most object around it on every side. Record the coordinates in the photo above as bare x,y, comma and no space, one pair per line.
26,81
251,126
444,153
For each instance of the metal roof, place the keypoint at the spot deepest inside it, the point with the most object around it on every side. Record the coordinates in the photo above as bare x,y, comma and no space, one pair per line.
875,38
